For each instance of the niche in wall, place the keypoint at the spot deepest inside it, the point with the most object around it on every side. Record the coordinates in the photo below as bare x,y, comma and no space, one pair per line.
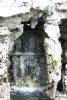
29,58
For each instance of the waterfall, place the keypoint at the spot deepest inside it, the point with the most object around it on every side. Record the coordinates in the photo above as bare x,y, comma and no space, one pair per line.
28,60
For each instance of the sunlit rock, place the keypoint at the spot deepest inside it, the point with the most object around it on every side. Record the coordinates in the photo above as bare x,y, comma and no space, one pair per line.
14,15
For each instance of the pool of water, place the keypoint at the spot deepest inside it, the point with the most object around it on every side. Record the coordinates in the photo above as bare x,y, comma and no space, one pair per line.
29,94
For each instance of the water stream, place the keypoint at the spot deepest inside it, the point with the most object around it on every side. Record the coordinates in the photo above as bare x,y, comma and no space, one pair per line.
29,70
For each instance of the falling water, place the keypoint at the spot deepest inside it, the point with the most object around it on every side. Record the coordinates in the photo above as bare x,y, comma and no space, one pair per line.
28,60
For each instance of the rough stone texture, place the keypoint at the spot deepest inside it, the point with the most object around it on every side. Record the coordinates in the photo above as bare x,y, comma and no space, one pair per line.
13,15
4,64
53,53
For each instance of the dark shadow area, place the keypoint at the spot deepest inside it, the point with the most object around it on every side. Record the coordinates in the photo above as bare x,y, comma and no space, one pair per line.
63,40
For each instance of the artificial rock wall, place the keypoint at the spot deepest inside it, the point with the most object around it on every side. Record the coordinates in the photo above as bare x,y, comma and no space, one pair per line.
18,12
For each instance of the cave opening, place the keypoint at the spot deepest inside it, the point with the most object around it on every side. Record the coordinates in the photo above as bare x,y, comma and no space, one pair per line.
29,58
